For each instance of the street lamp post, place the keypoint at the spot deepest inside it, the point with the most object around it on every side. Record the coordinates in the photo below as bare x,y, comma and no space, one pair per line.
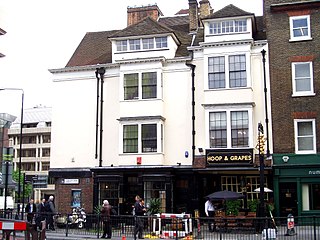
20,145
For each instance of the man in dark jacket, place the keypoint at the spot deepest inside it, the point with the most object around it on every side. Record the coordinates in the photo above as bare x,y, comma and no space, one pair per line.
30,209
105,214
139,211
50,211
41,213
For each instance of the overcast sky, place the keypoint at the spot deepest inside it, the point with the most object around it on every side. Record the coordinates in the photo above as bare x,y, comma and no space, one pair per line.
43,34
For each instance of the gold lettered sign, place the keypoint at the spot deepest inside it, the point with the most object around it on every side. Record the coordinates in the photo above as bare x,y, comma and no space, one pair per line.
230,156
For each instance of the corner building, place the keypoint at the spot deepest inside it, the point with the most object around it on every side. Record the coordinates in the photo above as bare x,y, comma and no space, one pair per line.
167,107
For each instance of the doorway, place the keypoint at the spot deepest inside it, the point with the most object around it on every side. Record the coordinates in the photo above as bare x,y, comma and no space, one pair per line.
288,199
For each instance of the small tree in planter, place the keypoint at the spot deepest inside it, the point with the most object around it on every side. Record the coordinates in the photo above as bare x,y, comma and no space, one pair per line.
154,206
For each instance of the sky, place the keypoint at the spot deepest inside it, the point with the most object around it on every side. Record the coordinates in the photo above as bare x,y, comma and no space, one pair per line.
43,35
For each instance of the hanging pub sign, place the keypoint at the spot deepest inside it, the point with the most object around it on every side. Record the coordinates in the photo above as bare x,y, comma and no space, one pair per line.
238,156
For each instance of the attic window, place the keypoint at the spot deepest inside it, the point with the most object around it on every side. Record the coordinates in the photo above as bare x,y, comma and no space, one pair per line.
227,27
142,44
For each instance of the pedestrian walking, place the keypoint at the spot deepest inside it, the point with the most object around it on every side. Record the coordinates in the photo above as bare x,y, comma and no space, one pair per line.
209,210
50,212
30,209
139,211
105,214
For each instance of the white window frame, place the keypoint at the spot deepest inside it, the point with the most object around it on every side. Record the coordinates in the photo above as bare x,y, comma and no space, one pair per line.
228,27
136,44
294,90
160,132
296,122
300,38
227,70
159,85
228,110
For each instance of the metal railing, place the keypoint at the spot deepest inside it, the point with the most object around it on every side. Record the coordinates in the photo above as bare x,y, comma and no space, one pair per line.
306,228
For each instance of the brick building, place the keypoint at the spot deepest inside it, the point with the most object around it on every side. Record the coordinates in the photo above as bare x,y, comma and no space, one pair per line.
293,34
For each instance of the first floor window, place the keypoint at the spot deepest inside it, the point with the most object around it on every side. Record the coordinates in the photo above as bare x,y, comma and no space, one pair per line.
149,137
302,78
218,129
229,129
311,196
142,138
147,43
305,136
239,129
130,138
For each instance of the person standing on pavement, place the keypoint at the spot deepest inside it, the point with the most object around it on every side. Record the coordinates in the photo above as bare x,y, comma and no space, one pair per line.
139,211
209,210
105,213
30,209
41,213
50,211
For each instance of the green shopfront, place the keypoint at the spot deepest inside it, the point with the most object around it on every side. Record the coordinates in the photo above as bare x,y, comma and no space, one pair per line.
296,184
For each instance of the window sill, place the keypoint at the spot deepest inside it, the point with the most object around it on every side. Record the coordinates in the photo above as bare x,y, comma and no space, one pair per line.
303,95
300,39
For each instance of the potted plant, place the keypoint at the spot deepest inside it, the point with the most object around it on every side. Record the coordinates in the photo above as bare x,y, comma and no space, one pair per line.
154,206
232,207
252,205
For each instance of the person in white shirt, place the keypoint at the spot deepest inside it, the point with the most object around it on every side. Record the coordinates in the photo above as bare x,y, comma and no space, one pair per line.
209,210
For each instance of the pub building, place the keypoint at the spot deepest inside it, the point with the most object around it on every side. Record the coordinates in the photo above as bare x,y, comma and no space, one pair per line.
232,170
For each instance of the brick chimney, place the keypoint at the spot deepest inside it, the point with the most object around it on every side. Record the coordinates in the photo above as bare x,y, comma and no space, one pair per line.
136,14
193,15
205,8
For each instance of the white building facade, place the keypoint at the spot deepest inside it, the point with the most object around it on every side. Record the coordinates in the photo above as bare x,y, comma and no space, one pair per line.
137,106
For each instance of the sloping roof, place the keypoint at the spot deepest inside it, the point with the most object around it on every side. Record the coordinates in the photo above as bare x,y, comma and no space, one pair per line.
94,48
145,27
228,11
35,115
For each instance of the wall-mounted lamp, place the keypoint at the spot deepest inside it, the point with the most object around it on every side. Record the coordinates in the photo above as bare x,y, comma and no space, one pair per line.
179,163
111,165
285,159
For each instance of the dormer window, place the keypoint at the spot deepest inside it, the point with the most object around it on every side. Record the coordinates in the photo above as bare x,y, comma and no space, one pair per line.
228,27
142,44
134,44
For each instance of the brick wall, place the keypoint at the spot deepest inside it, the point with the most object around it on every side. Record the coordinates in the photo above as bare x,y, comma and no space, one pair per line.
63,197
284,107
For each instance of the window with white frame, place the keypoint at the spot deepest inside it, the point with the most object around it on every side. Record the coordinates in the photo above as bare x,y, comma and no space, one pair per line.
142,138
228,26
302,78
305,136
122,45
139,44
229,129
235,67
134,44
310,196
300,28
140,85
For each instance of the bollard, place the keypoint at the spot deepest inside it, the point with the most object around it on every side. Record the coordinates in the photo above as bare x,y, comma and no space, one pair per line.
290,226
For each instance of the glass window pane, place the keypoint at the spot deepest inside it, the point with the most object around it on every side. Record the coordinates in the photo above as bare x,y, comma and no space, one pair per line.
149,137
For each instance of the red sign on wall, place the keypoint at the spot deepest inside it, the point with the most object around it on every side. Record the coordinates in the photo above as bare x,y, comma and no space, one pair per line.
139,160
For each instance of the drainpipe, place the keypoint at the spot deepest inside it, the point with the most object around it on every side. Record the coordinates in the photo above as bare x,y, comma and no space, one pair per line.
101,71
193,109
97,114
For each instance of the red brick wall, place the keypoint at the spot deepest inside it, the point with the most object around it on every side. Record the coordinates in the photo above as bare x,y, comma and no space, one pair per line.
63,195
